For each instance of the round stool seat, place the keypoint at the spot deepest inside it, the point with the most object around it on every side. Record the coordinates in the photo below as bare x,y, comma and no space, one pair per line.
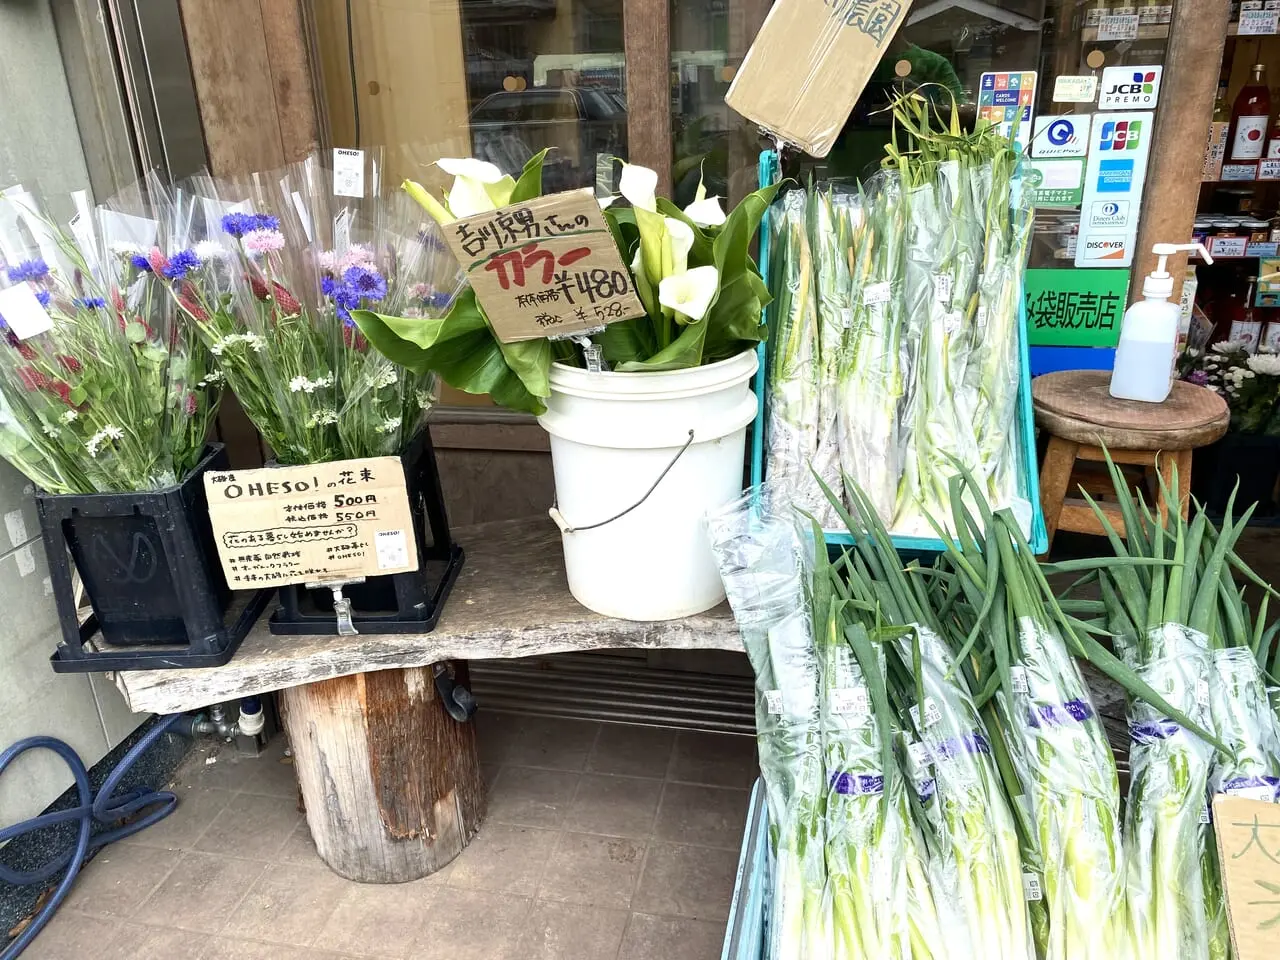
1075,405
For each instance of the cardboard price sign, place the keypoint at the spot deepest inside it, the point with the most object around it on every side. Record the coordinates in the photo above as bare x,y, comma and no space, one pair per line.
329,521
545,268
1248,833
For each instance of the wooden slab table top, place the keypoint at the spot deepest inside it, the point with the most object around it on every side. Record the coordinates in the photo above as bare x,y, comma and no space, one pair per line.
511,600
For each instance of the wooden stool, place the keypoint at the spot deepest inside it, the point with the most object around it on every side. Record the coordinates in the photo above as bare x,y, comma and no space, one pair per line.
1081,417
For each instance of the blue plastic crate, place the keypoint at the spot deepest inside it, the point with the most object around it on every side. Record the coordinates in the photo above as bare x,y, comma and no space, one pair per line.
745,935
1029,479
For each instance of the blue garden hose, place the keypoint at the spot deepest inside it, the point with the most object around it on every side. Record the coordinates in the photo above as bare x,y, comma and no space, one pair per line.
103,808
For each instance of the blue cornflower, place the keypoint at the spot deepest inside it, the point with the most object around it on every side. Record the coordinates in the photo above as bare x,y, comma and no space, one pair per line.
328,285
265,221
44,296
238,224
438,300
140,262
180,264
28,270
367,282
91,303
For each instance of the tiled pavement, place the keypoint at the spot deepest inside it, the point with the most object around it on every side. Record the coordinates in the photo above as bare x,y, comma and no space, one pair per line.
603,842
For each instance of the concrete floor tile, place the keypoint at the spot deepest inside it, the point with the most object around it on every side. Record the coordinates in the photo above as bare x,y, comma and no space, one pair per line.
377,920
552,743
118,881
504,859
226,948
273,775
201,892
530,797
710,816
251,827
72,936
300,848
137,941
565,931
593,871
288,904
671,938
471,925
714,759
632,751
684,881
614,806
197,808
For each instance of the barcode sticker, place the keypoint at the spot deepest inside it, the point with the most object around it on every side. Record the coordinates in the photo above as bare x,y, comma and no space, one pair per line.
876,293
23,313
773,702
1204,814
393,549
348,173
919,754
982,316
1031,887
942,288
929,716
1018,679
850,701
1202,692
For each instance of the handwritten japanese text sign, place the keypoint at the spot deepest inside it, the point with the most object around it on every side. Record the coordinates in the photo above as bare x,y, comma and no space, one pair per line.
326,522
1248,833
545,268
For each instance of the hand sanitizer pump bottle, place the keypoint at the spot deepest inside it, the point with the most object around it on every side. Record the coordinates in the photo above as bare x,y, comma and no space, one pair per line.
1149,334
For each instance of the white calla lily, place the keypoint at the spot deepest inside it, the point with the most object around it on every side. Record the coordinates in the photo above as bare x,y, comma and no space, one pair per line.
690,293
681,235
706,212
639,185
467,197
471,168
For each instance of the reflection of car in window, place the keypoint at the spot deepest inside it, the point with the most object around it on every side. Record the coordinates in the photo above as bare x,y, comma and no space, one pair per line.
581,124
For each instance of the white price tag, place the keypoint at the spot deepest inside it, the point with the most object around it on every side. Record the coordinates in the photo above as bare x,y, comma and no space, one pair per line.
1018,679
1118,26
1237,172
919,754
1263,792
342,231
982,316
876,293
1269,169
1202,692
1204,814
773,702
392,548
23,312
850,701
1228,246
1258,23
1031,887
348,173
930,715
942,288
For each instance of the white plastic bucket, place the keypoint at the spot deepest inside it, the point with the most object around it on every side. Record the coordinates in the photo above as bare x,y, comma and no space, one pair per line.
612,436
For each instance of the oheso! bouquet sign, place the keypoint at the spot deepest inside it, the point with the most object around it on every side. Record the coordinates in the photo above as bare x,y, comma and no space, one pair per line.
321,523
547,267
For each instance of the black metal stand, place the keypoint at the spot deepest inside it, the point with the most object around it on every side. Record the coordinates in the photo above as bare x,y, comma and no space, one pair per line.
398,602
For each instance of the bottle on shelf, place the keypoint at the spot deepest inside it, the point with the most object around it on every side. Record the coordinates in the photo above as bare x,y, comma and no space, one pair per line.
1273,139
1221,110
1246,318
1249,119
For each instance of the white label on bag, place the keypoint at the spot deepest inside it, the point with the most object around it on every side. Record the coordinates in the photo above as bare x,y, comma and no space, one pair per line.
348,173
876,293
773,702
1202,692
982,316
929,716
919,754
1265,793
1031,887
1204,814
23,312
1018,679
942,288
850,701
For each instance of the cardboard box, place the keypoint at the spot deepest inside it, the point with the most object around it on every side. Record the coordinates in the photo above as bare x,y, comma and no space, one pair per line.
808,65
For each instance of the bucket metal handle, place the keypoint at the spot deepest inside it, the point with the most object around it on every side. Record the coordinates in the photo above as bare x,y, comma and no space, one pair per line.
566,527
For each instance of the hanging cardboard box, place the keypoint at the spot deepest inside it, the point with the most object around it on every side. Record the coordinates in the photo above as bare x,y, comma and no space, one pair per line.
808,65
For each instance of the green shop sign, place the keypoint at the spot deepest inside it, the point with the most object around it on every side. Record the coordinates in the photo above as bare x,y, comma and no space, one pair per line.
1075,308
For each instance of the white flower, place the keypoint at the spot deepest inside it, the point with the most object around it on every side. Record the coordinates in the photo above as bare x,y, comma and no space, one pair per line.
424,399
212,377
681,235
96,442
385,378
1228,346
208,250
69,417
605,202
1247,373
322,418
252,340
1267,364
468,195
301,384
50,431
706,213
125,248
639,185
390,425
690,293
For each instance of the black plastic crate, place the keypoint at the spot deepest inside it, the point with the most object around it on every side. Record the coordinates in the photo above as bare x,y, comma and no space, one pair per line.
1249,460
398,602
151,574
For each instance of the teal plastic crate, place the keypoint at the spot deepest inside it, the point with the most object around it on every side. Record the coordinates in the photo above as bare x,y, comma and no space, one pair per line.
1029,479
745,936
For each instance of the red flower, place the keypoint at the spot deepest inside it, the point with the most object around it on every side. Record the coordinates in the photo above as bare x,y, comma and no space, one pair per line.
187,300
32,379
260,289
354,339
27,352
70,364
158,261
189,405
117,299
286,300
62,389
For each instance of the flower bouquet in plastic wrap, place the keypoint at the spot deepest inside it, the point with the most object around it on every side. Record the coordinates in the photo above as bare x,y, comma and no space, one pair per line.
103,389
271,268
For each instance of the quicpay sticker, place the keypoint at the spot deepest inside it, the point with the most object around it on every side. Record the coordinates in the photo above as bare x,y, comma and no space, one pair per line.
1119,146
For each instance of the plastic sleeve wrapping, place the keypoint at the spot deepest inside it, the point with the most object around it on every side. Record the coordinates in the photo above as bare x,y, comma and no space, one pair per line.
1166,829
1063,761
1245,723
763,562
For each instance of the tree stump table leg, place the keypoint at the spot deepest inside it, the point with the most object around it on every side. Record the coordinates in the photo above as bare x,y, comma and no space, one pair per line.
390,781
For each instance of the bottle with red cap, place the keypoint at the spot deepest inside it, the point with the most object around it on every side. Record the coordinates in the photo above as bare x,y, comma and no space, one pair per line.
1247,138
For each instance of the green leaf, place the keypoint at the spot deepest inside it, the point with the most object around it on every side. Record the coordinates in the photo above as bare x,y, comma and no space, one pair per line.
135,332
735,320
732,247
530,183
683,352
530,360
626,341
500,192
78,396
